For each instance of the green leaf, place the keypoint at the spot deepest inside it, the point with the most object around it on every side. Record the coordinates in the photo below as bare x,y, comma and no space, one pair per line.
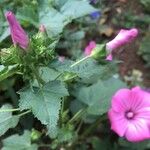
55,20
45,103
52,20
98,143
86,69
144,49
98,96
7,120
4,34
28,14
48,74
19,142
6,72
129,145
73,9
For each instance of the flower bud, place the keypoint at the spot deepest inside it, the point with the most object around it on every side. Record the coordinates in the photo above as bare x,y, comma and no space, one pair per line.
18,35
89,48
42,28
123,37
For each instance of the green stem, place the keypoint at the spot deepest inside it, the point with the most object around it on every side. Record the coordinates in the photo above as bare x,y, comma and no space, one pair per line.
93,126
81,60
24,113
9,110
77,115
79,126
36,73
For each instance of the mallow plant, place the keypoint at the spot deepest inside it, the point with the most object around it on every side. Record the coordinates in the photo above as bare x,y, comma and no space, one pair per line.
74,100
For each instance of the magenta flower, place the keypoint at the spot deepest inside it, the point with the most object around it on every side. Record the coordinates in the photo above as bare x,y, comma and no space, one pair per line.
89,48
18,35
123,37
130,114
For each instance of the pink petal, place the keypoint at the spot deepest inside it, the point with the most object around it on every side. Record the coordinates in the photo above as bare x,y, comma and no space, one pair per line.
87,51
140,98
17,33
121,100
89,48
144,113
118,122
109,57
92,44
137,130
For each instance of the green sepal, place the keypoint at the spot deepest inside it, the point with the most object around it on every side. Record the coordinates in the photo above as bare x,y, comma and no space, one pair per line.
99,52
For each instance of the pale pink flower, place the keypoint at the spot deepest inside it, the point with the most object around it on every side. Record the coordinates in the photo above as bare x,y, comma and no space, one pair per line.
61,58
42,28
130,114
89,48
18,35
123,37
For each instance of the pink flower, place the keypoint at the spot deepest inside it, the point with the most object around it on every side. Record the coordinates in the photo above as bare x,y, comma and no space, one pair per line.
42,28
89,48
18,35
130,114
123,37
61,58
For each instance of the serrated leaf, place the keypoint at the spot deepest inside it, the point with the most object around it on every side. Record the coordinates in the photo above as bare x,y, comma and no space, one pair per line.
45,103
19,142
7,120
98,96
55,20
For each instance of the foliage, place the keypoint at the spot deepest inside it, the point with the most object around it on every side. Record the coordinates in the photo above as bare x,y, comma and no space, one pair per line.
21,142
53,104
144,49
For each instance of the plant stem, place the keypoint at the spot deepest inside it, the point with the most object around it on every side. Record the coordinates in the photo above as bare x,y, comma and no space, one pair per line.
36,73
79,61
9,110
77,115
93,126
24,113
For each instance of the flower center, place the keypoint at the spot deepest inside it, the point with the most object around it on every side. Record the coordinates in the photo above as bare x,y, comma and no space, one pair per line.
129,115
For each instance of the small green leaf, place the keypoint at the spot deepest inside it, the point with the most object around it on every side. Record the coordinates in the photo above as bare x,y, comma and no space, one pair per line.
6,72
7,120
45,103
19,142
